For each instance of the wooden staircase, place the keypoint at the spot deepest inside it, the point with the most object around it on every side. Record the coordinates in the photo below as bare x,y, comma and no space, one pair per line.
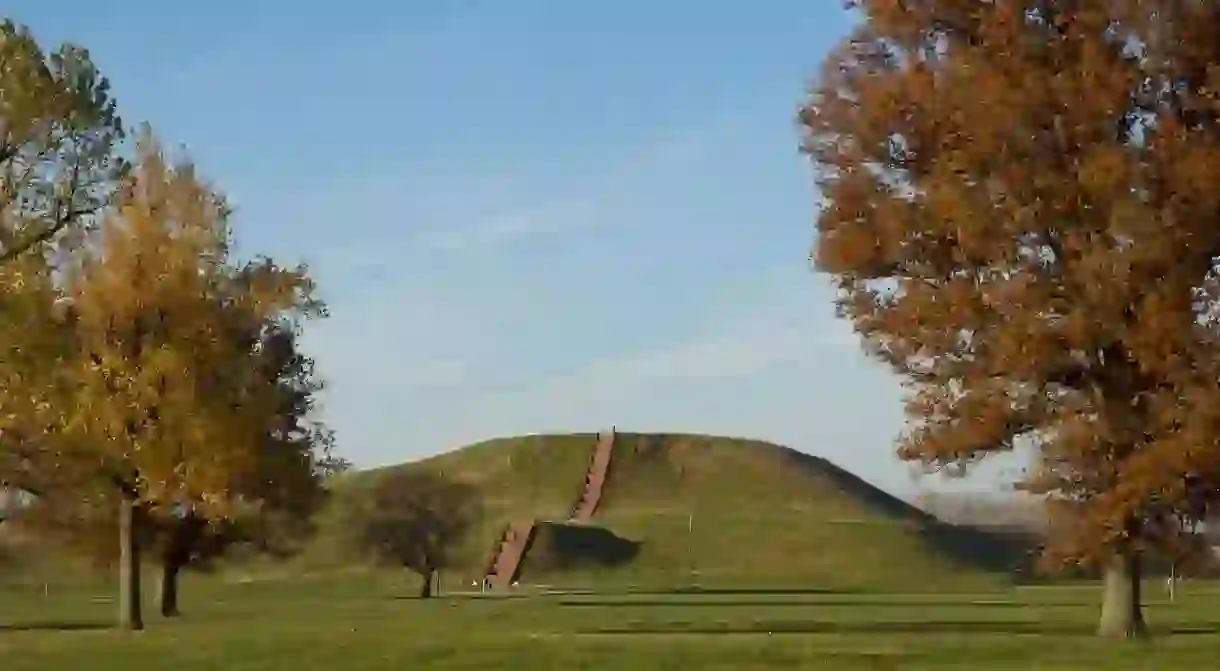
505,563
506,560
595,478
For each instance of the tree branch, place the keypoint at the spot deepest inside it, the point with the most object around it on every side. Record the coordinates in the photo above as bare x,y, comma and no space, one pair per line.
60,224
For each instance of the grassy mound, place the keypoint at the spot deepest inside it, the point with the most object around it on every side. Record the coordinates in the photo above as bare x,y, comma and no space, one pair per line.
717,512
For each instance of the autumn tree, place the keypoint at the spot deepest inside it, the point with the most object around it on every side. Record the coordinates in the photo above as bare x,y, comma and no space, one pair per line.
36,348
163,399
1018,209
58,133
283,490
412,519
278,496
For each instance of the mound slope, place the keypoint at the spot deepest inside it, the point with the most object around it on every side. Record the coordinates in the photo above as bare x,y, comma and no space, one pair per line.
719,512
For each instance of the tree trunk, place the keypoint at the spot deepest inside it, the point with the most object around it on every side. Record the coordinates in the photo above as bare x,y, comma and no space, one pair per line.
169,588
184,535
1121,611
425,587
130,616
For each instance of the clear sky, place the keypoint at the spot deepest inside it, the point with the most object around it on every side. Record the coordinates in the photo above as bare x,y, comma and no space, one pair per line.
526,215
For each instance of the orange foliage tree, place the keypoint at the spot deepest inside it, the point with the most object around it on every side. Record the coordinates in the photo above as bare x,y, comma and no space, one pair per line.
1019,202
172,397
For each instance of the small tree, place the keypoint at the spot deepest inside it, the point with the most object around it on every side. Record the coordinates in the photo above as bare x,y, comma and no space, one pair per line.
414,520
1019,207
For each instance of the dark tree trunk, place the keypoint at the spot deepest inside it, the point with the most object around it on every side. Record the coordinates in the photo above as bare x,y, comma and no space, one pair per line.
184,536
425,586
1122,614
130,616
170,571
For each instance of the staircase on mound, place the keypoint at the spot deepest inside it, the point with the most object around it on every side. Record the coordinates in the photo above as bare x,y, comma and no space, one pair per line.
595,478
506,560
505,564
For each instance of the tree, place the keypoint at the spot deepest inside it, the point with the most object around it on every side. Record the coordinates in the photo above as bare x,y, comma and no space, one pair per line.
277,495
413,519
165,399
284,489
58,133
1019,212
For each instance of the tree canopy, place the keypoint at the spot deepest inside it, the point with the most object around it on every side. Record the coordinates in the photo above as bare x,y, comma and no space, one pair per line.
1018,207
59,129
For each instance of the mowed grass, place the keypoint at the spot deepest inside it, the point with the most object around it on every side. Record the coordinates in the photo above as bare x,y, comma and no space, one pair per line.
369,621
801,566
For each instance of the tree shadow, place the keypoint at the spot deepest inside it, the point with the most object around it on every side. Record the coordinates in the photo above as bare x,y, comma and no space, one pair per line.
834,603
55,625
1203,629
744,591
1041,628
1054,628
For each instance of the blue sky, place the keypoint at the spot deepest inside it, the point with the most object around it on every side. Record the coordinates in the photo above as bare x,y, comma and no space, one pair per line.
526,216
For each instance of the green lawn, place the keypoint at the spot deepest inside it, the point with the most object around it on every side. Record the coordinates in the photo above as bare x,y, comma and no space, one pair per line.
366,622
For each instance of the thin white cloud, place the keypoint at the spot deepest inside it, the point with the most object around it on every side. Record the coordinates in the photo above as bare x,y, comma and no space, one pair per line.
551,218
735,352
774,327
583,208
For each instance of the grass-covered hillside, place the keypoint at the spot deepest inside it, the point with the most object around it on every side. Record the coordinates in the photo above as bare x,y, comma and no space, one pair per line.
720,512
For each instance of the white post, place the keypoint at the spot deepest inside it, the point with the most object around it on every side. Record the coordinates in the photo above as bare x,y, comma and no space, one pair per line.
690,552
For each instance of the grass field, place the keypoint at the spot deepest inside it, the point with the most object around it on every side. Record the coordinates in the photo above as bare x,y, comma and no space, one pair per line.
749,519
369,621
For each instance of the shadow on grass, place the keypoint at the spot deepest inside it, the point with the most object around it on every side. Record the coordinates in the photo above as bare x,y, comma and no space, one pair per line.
873,627
470,596
837,603
52,625
744,591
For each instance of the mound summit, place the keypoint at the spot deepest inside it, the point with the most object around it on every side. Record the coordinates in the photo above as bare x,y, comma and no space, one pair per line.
674,510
